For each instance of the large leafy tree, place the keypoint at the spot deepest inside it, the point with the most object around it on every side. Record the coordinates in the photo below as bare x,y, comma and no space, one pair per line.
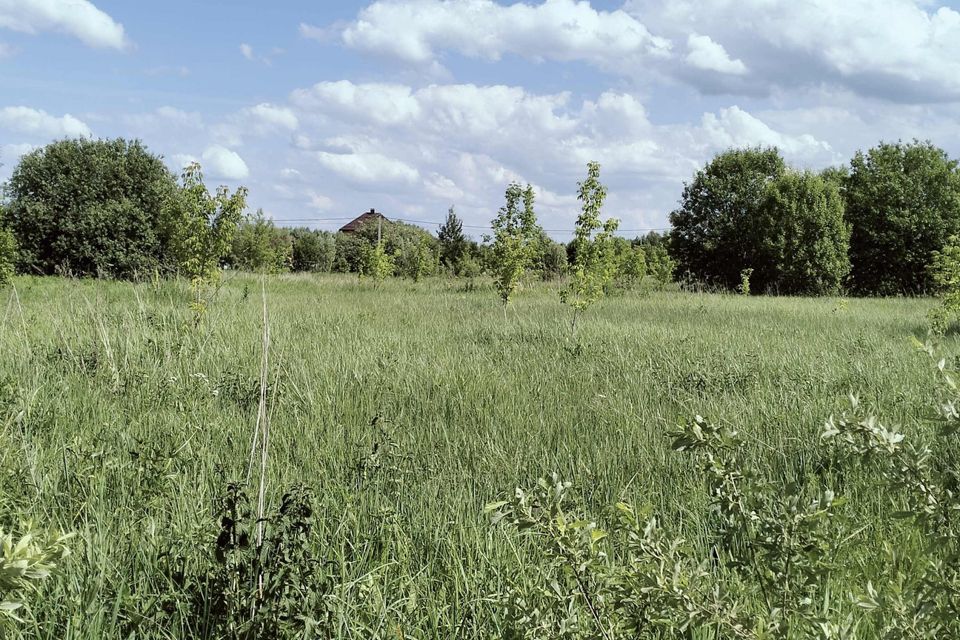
713,237
90,208
903,204
805,236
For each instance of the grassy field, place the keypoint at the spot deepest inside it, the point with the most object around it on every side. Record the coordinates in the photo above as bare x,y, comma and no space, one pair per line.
404,409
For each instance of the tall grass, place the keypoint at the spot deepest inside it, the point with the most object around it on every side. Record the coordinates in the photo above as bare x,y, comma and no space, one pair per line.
404,408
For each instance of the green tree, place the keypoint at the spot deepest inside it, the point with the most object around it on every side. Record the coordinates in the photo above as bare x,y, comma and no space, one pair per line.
90,208
902,203
260,246
660,266
202,226
453,244
711,239
313,250
515,235
804,235
595,264
632,266
376,263
415,259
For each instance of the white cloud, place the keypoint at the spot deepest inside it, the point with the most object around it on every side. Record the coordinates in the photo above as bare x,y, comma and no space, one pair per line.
711,56
78,18
416,31
272,116
7,51
384,104
902,50
40,123
368,169
319,202
247,51
734,127
224,163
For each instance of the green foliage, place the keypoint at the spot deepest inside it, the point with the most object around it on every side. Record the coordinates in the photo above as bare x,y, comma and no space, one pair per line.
551,258
8,253
595,264
454,246
660,265
415,259
744,288
709,240
26,560
313,251
945,273
202,226
515,235
632,267
260,246
805,237
376,263
902,203
90,208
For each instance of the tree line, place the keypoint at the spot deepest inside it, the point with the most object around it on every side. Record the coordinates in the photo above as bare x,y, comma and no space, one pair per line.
746,221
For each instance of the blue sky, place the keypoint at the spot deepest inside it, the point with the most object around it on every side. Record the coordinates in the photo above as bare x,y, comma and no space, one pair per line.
327,109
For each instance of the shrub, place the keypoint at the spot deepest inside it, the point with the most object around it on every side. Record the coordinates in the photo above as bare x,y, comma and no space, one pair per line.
376,263
945,272
90,208
313,250
260,246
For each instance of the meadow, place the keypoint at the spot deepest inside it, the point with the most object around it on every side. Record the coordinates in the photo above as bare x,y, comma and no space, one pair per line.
402,408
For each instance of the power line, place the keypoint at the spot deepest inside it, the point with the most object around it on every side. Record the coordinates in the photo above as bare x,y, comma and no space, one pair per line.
466,226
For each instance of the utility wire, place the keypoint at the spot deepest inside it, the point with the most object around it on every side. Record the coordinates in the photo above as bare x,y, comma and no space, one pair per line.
466,226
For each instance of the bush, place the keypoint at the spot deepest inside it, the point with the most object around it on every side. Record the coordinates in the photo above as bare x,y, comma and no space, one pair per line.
90,208
725,199
260,246
902,203
313,250
8,253
805,236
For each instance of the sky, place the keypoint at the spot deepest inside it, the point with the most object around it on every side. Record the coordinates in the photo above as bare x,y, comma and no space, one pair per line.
328,109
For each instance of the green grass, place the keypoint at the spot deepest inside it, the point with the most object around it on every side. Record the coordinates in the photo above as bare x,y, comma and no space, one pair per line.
122,422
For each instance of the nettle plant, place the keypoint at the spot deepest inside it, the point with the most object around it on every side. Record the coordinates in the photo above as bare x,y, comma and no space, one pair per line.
777,563
596,262
515,237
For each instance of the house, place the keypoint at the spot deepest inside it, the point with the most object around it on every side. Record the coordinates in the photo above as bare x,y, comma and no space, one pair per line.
354,225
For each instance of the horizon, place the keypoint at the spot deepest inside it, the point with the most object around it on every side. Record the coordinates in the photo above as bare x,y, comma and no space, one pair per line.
413,106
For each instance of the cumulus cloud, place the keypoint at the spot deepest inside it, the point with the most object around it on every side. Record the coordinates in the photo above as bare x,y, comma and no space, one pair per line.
39,123
734,127
707,54
78,18
417,31
223,163
368,169
902,50
272,116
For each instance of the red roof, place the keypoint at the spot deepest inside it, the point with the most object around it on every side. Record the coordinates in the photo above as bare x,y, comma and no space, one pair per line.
354,225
